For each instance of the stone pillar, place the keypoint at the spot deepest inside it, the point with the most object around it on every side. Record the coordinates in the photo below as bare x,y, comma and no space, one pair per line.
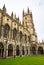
14,51
36,50
6,50
4,54
25,50
20,48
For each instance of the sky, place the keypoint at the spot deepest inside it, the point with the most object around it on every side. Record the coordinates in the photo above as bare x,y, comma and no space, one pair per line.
35,6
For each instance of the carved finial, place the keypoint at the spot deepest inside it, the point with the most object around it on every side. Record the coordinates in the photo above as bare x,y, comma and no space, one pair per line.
28,10
12,14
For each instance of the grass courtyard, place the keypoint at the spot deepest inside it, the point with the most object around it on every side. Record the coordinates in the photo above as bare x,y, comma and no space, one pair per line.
27,60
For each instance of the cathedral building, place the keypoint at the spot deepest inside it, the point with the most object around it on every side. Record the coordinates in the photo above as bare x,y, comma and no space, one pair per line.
18,39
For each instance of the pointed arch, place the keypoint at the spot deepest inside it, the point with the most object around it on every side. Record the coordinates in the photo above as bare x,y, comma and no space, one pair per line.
40,50
10,50
6,30
17,50
33,50
14,33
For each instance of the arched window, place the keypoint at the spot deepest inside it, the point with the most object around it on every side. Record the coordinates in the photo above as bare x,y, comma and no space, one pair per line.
6,30
40,50
17,50
33,50
10,50
14,33
20,35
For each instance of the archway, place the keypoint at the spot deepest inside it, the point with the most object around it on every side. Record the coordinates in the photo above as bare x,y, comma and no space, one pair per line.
10,50
1,49
23,52
33,50
40,50
17,50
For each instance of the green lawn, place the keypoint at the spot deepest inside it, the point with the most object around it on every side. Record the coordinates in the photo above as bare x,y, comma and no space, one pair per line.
27,60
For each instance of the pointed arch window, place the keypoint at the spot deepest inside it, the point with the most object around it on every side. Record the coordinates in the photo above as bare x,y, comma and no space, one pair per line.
20,35
6,30
10,50
14,33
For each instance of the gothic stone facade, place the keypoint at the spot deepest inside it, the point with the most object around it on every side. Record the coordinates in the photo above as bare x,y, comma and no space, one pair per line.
18,39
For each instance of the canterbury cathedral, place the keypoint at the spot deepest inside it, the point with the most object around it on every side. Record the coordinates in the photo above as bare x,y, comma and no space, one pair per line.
16,38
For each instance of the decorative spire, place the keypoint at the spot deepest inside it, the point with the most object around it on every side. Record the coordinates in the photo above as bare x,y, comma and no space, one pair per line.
28,10
18,17
12,14
4,9
4,6
42,41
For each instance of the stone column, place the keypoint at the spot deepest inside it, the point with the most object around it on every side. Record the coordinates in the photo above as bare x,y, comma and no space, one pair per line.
36,50
20,48
14,51
25,50
6,50
4,54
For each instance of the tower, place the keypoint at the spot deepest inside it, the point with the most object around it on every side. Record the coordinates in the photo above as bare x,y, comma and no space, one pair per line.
29,25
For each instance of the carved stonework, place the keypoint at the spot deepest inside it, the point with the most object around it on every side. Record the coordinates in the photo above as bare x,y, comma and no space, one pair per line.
18,39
